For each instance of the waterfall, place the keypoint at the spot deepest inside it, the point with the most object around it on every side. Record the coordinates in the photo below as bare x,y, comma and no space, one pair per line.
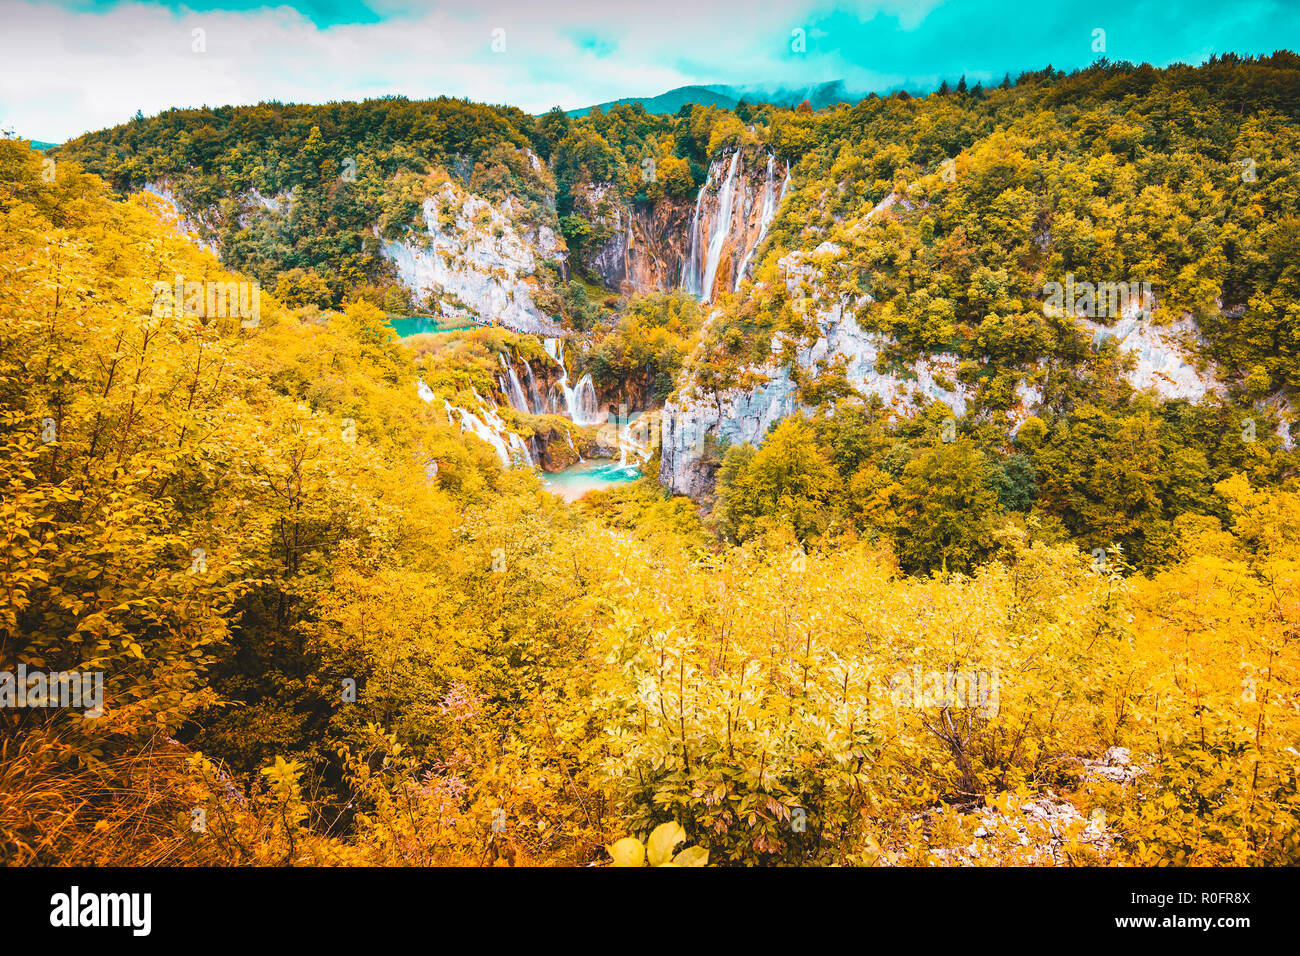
513,443
721,228
582,402
624,440
765,216
515,392
532,390
471,422
691,268
634,437
555,349
563,384
569,436
517,444
490,428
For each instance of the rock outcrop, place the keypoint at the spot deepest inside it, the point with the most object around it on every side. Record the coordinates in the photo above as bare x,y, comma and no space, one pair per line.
647,242
1162,354
693,420
202,227
1164,360
474,261
732,215
705,247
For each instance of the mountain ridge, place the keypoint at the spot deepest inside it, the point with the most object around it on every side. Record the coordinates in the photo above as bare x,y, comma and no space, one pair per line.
819,96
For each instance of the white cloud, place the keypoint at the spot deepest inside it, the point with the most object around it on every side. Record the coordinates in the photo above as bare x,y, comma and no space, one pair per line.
65,72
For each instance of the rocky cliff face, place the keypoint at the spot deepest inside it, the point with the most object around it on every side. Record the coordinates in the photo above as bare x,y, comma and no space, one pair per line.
475,261
732,216
203,225
706,247
646,245
1163,360
1162,355
745,415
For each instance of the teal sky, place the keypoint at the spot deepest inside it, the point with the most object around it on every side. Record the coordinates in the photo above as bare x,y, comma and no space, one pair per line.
72,65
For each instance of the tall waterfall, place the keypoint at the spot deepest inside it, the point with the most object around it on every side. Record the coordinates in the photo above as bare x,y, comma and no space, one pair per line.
515,392
721,228
691,268
729,226
582,402
533,393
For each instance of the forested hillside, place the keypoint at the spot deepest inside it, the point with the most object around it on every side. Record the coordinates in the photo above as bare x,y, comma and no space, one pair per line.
315,188
928,568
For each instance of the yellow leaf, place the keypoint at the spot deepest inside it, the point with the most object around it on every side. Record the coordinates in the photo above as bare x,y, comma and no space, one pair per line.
627,852
691,856
662,840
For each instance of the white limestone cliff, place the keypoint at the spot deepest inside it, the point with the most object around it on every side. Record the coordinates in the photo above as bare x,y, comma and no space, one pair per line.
474,261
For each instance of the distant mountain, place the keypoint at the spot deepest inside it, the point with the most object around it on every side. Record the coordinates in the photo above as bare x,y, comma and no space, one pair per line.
818,95
671,101
36,143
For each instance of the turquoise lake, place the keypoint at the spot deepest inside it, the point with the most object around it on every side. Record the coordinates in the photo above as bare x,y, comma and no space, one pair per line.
576,480
409,325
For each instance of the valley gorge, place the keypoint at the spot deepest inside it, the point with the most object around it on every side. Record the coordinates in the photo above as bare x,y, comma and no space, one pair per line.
476,261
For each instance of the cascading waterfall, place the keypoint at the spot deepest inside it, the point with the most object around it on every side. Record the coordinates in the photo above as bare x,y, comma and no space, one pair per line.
560,389
489,428
563,385
513,450
515,393
582,402
472,423
574,447
517,444
624,442
692,267
536,396
721,228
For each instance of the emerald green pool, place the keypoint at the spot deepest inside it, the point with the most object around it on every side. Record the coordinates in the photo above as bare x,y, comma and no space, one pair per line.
576,480
408,325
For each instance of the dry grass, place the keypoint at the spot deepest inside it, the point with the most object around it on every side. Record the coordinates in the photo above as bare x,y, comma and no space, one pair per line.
127,808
